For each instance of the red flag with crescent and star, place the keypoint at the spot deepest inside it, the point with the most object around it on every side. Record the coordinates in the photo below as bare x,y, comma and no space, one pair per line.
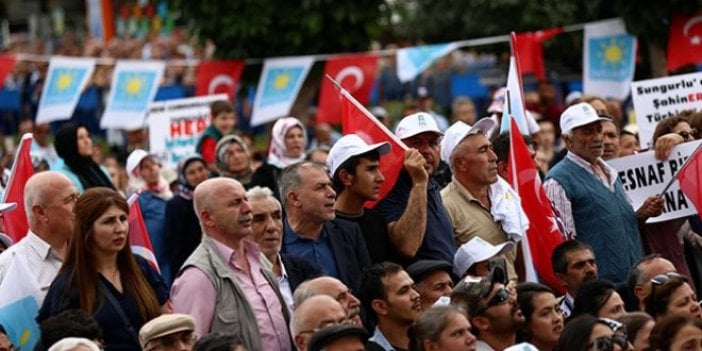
356,74
218,77
685,40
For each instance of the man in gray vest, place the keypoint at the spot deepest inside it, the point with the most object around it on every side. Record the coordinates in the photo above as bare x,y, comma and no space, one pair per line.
225,284
590,199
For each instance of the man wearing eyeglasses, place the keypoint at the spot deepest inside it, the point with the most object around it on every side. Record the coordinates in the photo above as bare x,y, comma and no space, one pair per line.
168,332
312,315
492,310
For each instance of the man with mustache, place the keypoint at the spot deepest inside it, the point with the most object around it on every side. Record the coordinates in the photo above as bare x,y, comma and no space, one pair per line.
226,284
311,231
392,303
590,199
267,228
478,201
573,264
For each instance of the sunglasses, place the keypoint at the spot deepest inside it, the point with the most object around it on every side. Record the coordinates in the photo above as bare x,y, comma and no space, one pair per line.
500,297
692,133
606,343
664,278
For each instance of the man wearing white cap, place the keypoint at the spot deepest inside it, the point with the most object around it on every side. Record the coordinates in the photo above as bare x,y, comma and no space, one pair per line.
356,177
473,257
418,224
479,203
590,199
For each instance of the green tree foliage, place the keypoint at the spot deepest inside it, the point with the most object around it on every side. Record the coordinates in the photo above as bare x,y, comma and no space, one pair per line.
268,28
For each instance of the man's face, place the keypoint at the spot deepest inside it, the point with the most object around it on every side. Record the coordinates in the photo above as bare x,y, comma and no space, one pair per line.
180,341
402,302
230,212
315,195
342,294
547,134
610,140
504,317
58,209
587,141
324,313
347,343
475,160
434,285
650,270
429,145
581,268
267,225
367,180
465,113
628,144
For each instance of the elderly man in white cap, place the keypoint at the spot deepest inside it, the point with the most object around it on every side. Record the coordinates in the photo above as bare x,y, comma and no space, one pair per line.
478,201
590,199
168,332
418,224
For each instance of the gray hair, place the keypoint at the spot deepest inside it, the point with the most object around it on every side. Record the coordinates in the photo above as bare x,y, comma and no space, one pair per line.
433,321
290,178
304,291
70,344
260,193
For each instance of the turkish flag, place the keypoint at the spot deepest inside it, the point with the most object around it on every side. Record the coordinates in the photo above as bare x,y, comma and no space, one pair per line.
685,40
218,77
543,233
531,56
7,62
356,74
138,234
16,223
690,178
357,120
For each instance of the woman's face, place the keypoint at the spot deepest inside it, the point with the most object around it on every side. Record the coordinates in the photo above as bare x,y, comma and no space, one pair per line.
688,338
628,145
150,170
196,173
613,308
641,341
684,301
456,336
85,144
110,231
602,331
685,131
546,322
237,159
294,142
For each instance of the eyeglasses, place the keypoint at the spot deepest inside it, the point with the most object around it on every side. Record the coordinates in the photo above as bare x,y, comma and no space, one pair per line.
606,343
500,297
169,342
692,133
664,278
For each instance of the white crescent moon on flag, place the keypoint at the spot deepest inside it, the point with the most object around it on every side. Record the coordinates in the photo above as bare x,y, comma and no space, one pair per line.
220,79
353,71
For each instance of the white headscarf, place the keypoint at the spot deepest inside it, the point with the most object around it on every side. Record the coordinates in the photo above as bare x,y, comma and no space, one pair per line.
278,153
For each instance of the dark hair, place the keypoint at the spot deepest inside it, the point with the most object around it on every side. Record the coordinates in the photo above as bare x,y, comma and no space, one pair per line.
593,294
694,118
576,334
657,296
526,292
558,256
501,143
666,126
371,284
665,331
218,342
220,106
350,166
69,323
633,322
86,170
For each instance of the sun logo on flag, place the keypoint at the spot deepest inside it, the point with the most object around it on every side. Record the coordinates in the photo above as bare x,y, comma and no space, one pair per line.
612,53
134,85
64,81
281,81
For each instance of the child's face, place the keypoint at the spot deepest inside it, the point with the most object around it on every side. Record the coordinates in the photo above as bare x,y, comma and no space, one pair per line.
225,122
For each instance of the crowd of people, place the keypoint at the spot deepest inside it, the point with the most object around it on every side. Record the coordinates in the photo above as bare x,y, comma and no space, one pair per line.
285,253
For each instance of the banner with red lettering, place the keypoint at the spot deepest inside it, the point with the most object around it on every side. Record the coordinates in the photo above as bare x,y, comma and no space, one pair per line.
176,125
356,74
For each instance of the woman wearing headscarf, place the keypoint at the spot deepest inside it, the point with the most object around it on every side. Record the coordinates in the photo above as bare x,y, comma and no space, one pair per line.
288,142
233,161
182,228
74,146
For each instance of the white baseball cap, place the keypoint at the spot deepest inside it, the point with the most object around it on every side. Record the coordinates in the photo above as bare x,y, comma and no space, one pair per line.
417,123
351,145
498,100
579,115
459,131
477,250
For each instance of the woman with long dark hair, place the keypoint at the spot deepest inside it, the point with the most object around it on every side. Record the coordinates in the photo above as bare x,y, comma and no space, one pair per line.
102,277
74,145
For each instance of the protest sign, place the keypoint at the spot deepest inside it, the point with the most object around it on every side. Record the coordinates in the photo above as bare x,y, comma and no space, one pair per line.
658,99
642,175
176,125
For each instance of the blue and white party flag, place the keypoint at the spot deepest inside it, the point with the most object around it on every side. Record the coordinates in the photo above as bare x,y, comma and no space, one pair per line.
65,81
414,60
20,297
280,83
134,85
609,57
514,101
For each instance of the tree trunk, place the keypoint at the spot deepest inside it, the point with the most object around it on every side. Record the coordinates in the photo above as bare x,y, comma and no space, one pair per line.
656,56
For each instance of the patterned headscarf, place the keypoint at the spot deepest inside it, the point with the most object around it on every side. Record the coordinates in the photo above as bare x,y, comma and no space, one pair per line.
278,153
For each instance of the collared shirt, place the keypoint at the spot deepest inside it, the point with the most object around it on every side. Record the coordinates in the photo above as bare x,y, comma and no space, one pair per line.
43,261
318,251
379,339
567,304
284,285
482,346
197,297
559,198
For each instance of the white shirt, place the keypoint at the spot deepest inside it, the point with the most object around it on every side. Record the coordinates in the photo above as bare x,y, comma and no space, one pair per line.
43,261
284,285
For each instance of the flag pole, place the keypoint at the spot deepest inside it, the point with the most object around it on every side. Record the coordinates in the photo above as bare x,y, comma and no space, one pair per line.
675,176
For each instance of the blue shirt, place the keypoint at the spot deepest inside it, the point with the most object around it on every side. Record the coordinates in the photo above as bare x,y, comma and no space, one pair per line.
318,251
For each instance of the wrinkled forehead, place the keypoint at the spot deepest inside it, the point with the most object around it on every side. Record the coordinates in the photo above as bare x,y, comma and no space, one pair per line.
423,137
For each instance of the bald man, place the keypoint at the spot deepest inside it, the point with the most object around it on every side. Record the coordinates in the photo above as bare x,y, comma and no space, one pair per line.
334,288
226,283
49,198
315,313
